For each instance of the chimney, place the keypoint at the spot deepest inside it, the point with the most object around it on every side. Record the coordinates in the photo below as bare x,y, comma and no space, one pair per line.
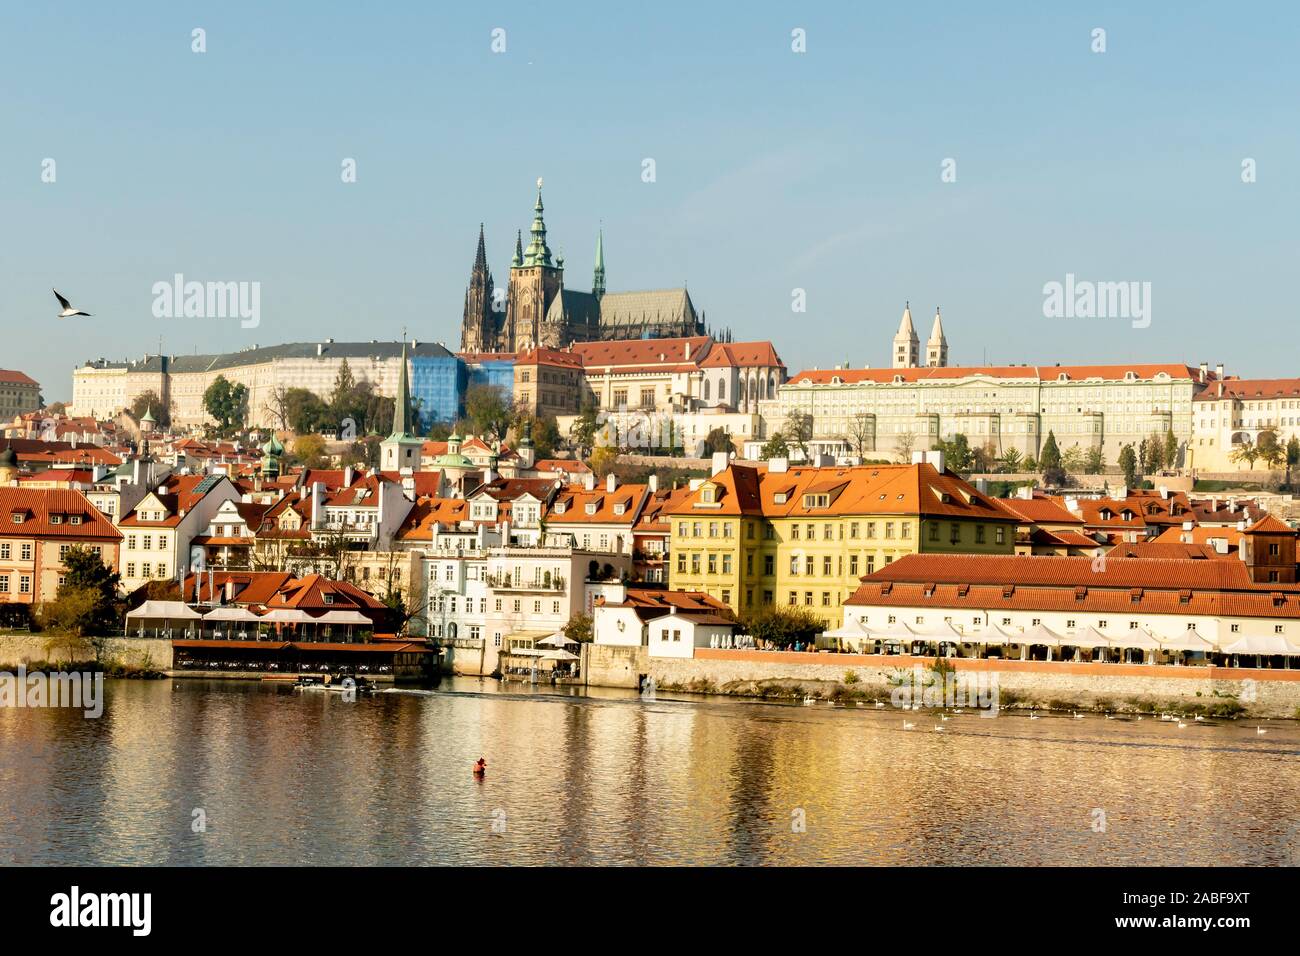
489,475
1205,371
317,505
778,466
348,476
686,351
611,482
588,481
1164,493
720,461
1025,492
653,483
1218,371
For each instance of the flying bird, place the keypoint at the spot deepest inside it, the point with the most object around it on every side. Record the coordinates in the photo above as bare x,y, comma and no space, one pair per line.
68,310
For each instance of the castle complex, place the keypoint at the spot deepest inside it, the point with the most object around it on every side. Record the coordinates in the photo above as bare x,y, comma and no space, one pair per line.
536,310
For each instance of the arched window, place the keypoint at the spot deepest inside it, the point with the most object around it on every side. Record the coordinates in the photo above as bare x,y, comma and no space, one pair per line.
706,389
722,389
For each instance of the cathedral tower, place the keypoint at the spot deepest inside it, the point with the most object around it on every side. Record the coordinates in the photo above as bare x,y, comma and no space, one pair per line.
479,329
535,280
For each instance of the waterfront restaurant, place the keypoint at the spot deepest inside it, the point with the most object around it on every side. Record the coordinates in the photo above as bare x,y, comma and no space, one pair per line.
1156,611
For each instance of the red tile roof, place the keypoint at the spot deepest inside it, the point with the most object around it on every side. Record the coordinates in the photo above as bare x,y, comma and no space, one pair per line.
1044,373
647,353
1251,388
742,355
35,506
12,377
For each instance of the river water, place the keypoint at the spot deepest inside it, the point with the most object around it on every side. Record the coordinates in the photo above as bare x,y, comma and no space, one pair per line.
228,772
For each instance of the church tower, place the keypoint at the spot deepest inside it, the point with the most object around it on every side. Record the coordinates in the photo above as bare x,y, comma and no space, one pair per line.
936,350
907,348
401,449
478,328
598,278
535,280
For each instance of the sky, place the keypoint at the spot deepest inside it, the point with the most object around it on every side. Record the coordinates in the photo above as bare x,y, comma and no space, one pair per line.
774,170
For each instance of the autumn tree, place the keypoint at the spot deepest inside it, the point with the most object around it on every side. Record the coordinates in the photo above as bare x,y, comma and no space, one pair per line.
150,402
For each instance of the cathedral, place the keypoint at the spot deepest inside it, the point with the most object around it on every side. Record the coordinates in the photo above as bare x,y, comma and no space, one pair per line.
536,310
907,347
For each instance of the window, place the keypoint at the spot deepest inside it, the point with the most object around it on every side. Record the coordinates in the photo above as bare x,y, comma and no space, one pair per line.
25,552
130,569
695,564
794,597
853,564
713,564
1277,628
4,584
681,564
826,566
769,564
807,598
1000,534
25,584
934,531
726,564
979,534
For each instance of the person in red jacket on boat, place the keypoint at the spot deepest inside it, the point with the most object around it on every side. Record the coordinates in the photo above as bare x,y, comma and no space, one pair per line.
480,768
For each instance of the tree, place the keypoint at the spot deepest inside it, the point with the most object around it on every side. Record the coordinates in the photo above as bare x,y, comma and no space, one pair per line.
903,446
861,431
488,411
1072,460
1094,461
58,408
781,625
603,460
86,602
798,432
983,458
717,440
150,402
226,403
310,451
1128,464
304,412
1170,450
1049,462
542,429
1271,452
956,453
579,629
1247,453
1011,460
582,433
1292,457
775,447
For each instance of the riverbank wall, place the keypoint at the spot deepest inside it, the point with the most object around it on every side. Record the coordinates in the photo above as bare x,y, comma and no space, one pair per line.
134,653
1046,685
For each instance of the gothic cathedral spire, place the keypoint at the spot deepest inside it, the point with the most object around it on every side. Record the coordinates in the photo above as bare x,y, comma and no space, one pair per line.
598,279
478,329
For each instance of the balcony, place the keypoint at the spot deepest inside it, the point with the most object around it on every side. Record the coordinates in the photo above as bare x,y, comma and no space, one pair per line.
504,582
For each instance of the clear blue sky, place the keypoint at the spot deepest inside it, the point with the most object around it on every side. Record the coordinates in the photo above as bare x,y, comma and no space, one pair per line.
774,170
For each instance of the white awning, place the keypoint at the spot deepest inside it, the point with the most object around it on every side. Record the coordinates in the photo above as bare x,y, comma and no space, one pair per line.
285,615
1088,637
558,639
1268,644
559,655
240,614
944,631
1186,641
1041,634
849,630
342,617
1138,638
165,611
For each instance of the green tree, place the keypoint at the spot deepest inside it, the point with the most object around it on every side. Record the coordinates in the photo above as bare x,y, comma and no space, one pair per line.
1011,460
1072,460
150,402
1128,464
579,629
1271,451
1246,452
717,440
309,450
487,411
303,411
1049,462
1170,450
226,403
782,625
956,453
543,430
1094,461
86,603
1292,457
775,447
582,433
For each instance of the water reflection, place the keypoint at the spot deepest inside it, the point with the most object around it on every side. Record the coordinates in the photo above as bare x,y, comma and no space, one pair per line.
283,777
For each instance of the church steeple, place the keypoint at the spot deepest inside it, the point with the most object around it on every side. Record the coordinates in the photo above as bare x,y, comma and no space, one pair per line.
598,279
907,348
518,260
538,253
936,350
479,326
480,257
401,449
401,426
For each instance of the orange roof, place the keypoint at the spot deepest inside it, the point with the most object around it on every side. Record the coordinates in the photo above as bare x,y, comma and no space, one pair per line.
1040,509
1043,373
37,507
545,356
12,377
742,355
1199,535
572,502
1270,525
1122,586
647,353
1251,388
447,512
571,466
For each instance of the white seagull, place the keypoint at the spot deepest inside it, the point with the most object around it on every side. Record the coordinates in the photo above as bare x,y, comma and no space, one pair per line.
68,310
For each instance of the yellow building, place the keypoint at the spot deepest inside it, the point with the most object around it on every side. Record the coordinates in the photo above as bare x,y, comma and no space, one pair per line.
755,536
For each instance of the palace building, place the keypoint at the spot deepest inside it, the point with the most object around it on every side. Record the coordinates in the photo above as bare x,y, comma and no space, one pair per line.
537,310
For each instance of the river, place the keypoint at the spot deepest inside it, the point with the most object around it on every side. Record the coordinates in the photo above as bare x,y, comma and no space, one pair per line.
228,772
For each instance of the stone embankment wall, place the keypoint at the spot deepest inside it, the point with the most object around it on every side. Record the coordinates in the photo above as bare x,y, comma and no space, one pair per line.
133,652
1021,684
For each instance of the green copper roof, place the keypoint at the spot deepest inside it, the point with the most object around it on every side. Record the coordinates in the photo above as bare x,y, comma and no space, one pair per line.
538,253
598,280
148,417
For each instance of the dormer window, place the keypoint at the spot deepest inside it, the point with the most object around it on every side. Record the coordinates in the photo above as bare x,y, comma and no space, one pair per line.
780,498
708,495
591,507
74,519
620,508
17,517
327,598
56,519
